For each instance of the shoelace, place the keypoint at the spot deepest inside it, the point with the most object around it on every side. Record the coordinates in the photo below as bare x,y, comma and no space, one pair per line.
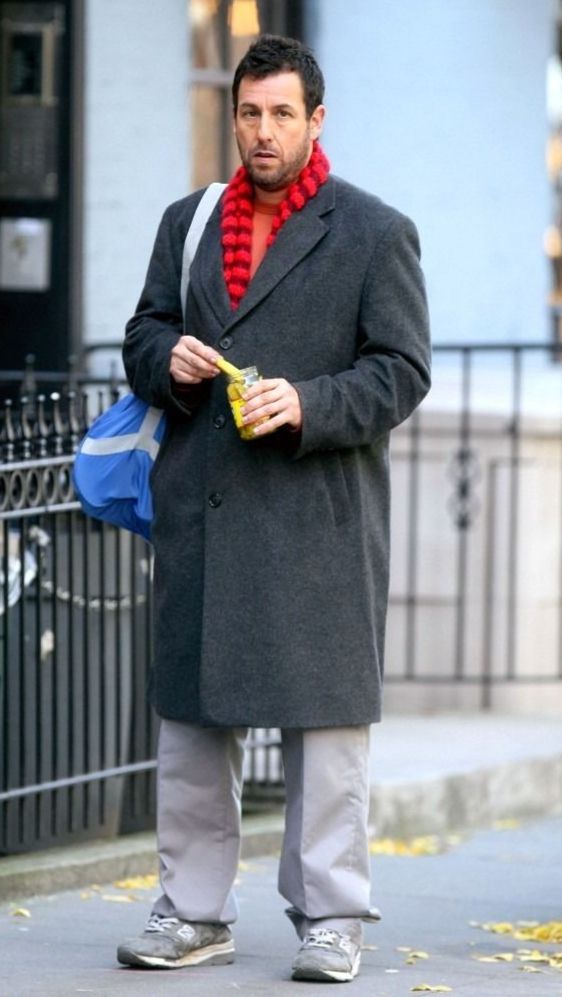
323,937
158,923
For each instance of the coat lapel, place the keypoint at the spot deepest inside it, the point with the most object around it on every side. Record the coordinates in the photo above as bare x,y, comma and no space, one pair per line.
295,241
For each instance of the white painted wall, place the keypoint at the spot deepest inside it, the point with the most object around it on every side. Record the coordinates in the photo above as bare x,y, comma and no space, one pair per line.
136,147
439,107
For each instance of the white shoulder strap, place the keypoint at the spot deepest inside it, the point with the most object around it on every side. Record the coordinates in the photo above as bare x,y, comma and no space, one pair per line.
201,217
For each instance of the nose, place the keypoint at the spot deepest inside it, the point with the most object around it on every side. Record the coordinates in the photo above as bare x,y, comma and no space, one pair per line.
264,129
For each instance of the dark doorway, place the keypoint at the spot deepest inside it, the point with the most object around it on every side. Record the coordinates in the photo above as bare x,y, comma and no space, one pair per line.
36,74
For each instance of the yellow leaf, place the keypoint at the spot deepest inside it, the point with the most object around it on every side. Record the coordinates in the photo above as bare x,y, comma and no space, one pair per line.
20,912
118,898
535,956
428,844
148,882
506,824
550,931
503,956
439,989
530,969
499,927
419,955
85,895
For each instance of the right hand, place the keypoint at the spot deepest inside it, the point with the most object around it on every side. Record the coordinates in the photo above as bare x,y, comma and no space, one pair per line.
192,361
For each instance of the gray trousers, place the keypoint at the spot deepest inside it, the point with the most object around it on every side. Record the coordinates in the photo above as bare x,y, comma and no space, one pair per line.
324,866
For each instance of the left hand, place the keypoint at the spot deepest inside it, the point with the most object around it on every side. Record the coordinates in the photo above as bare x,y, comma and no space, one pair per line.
275,399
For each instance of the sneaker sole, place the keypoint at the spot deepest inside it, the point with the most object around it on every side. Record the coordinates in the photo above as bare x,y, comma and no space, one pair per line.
316,974
211,955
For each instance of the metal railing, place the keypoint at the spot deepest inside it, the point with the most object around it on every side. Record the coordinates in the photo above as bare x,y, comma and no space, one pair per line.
78,738
475,599
476,589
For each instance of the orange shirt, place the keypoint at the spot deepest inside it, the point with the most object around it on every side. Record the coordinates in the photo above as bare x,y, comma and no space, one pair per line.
263,217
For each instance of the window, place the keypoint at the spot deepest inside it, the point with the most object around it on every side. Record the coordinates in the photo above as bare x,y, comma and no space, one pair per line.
220,33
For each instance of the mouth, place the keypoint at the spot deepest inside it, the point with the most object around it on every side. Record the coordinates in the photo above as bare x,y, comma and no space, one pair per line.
263,156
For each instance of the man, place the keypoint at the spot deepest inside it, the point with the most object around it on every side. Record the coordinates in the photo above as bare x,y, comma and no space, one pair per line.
271,556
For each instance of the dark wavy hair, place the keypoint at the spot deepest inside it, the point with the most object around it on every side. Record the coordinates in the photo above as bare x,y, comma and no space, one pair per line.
271,54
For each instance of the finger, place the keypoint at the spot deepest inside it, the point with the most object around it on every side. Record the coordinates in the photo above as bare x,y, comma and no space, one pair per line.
195,347
270,426
199,357
262,388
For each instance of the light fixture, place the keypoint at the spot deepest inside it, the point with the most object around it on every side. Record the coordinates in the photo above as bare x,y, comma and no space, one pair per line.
243,18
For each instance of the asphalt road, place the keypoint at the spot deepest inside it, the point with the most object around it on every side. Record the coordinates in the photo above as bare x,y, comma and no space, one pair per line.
431,904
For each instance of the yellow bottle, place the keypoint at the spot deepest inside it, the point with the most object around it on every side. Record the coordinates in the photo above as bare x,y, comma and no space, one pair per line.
237,384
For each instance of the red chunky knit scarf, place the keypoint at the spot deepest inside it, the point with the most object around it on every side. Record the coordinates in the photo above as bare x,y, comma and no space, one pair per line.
238,218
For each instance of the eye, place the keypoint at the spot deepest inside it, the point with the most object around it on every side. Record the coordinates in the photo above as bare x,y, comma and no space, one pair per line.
249,113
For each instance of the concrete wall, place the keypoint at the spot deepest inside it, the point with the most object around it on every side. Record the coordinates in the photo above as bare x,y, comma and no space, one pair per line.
439,107
136,147
509,557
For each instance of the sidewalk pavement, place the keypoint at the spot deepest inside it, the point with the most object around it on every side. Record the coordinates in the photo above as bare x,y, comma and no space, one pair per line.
430,775
433,906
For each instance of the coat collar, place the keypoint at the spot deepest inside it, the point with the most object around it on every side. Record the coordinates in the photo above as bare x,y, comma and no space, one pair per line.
295,241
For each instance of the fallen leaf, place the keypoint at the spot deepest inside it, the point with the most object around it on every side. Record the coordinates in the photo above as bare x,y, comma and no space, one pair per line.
427,988
429,844
147,882
530,969
528,931
414,958
370,948
498,957
20,912
403,948
535,956
499,927
118,898
506,824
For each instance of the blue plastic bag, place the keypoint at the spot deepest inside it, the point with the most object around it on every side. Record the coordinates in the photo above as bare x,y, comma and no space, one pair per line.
113,464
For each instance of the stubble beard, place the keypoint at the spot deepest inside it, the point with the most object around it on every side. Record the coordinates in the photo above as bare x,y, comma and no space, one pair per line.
286,172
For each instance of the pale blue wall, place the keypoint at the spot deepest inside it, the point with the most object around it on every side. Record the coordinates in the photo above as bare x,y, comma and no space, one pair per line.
439,107
135,148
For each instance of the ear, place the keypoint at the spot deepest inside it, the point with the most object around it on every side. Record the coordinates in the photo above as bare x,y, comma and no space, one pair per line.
317,121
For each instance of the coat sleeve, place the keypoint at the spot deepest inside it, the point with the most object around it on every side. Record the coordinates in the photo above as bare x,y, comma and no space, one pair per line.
391,374
157,324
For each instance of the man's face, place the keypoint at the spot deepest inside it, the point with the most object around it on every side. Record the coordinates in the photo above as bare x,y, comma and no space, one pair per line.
272,130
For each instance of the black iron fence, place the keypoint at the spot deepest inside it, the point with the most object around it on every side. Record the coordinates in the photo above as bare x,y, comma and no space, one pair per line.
78,739
476,587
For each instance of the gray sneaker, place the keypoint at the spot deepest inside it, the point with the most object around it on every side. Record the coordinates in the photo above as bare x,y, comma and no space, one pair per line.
326,954
168,943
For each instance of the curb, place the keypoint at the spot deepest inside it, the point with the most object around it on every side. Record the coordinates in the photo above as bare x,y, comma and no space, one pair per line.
457,802
102,861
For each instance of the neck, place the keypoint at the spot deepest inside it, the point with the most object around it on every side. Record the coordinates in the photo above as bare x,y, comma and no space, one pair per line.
269,197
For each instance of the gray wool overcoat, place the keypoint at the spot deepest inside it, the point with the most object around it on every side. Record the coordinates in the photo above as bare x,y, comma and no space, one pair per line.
272,556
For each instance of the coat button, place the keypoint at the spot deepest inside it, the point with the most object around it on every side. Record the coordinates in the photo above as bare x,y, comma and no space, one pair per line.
219,421
225,342
215,500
